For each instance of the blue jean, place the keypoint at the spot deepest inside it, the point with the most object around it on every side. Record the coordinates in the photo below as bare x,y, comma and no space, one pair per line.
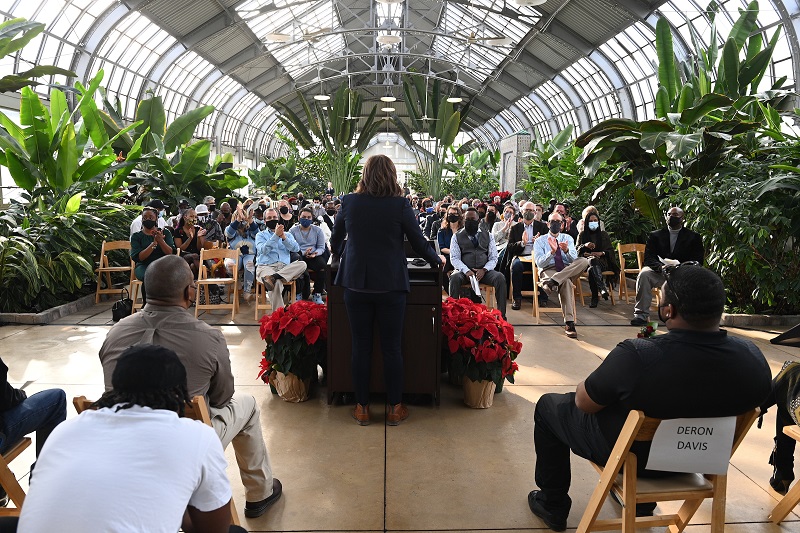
389,308
41,413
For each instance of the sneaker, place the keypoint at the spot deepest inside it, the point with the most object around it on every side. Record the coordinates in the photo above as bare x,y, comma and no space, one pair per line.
638,321
555,520
256,509
569,329
317,298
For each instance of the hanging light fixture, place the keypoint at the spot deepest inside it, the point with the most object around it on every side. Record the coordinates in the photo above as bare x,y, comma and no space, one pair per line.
388,99
322,97
530,3
454,99
387,109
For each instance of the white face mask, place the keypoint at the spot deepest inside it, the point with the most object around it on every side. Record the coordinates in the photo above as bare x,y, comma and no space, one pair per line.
464,207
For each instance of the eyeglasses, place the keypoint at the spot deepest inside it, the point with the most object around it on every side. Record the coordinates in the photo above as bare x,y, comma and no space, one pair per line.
669,270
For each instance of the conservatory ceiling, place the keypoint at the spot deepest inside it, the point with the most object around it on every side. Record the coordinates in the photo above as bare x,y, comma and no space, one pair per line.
538,68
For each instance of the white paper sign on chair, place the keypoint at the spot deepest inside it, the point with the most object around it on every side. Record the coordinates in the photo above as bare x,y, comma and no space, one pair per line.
693,445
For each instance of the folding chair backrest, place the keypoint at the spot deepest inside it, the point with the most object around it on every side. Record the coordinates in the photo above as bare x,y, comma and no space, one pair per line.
629,248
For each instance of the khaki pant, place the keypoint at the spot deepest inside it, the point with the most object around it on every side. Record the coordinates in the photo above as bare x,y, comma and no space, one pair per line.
566,289
647,280
239,422
288,272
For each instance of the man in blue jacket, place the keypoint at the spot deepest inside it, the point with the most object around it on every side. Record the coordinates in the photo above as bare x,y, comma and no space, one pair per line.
273,262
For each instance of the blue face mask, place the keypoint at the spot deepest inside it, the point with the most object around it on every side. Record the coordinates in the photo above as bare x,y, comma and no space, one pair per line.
306,222
594,225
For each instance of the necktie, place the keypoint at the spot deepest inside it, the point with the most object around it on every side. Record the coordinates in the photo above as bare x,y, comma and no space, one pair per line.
474,239
559,260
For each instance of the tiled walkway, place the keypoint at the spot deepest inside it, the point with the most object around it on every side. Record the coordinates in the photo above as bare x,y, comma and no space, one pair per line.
448,468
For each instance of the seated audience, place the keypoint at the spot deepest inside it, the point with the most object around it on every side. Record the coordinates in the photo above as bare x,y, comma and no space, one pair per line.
785,394
570,226
176,480
488,219
595,245
330,215
211,226
434,221
241,234
273,261
707,374
287,217
313,252
189,237
158,206
224,215
502,228
149,244
520,243
673,242
585,213
473,253
236,418
558,263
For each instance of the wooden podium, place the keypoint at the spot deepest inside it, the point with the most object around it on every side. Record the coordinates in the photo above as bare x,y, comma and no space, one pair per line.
422,334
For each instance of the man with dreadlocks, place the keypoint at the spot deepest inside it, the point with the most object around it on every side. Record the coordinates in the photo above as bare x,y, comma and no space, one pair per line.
144,468
166,321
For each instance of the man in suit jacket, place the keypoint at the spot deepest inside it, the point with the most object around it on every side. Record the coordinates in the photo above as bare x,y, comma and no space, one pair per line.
520,242
673,242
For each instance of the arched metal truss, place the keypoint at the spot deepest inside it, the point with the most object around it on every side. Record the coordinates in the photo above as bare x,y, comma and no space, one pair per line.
565,62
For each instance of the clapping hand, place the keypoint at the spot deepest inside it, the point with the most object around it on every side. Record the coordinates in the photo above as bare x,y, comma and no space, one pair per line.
564,247
553,242
279,231
201,232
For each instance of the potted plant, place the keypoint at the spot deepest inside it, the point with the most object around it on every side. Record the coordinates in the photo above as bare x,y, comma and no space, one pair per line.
482,349
296,337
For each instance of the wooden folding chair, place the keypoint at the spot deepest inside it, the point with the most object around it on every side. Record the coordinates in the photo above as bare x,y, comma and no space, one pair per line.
136,288
623,269
203,281
619,475
536,309
262,301
489,291
792,498
9,481
196,410
105,269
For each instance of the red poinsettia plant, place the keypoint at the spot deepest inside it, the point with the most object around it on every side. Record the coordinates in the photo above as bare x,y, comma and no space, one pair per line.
481,343
296,337
504,195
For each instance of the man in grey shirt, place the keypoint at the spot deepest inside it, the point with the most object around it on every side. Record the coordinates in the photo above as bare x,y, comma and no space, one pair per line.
166,321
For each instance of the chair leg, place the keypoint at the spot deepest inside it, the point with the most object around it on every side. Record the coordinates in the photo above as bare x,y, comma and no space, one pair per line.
685,513
786,505
718,503
12,488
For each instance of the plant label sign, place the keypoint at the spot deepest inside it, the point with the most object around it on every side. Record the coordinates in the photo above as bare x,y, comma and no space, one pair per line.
693,445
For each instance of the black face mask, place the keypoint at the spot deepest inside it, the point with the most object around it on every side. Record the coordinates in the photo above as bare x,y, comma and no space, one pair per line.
284,210
149,224
527,215
471,226
271,224
453,218
555,227
330,212
675,222
491,216
481,214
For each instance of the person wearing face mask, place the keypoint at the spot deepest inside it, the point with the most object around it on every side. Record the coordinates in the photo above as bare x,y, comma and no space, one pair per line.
558,262
673,242
433,221
301,201
313,252
241,234
453,222
149,244
273,263
286,215
585,213
501,229
207,222
190,239
474,253
224,216
520,243
488,218
719,375
318,208
157,205
330,215
595,245
569,226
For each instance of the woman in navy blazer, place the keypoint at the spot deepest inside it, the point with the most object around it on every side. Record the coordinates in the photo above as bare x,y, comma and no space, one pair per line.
373,270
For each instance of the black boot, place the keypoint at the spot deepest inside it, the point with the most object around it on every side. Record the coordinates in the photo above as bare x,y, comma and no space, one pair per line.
597,272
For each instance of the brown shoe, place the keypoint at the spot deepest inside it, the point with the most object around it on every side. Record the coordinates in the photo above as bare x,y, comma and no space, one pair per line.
361,414
397,413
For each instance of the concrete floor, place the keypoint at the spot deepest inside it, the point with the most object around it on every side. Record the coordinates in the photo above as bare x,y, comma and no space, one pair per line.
448,468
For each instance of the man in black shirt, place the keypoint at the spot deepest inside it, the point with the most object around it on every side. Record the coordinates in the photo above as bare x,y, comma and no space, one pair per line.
695,370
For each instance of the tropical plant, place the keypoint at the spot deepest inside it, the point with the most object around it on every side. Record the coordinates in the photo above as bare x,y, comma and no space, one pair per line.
435,123
553,169
14,35
276,177
474,173
335,131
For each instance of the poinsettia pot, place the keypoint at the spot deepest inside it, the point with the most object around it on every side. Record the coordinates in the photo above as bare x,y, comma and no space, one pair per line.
291,388
478,394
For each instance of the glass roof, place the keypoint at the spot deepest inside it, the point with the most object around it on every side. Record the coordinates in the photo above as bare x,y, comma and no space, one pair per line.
180,81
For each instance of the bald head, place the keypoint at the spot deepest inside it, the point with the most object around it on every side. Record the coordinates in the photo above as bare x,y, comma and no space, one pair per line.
166,280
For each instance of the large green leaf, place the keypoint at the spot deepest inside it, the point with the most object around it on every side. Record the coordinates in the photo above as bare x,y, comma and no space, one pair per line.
666,58
93,123
450,130
709,103
20,171
151,115
58,107
74,203
10,28
773,42
730,68
12,129
67,159
745,25
94,166
194,160
663,103
562,138
679,145
182,128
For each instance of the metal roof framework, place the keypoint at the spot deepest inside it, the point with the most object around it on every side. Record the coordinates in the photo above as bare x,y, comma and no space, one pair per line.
536,68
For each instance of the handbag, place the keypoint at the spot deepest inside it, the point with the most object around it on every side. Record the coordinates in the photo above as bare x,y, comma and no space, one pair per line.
122,307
